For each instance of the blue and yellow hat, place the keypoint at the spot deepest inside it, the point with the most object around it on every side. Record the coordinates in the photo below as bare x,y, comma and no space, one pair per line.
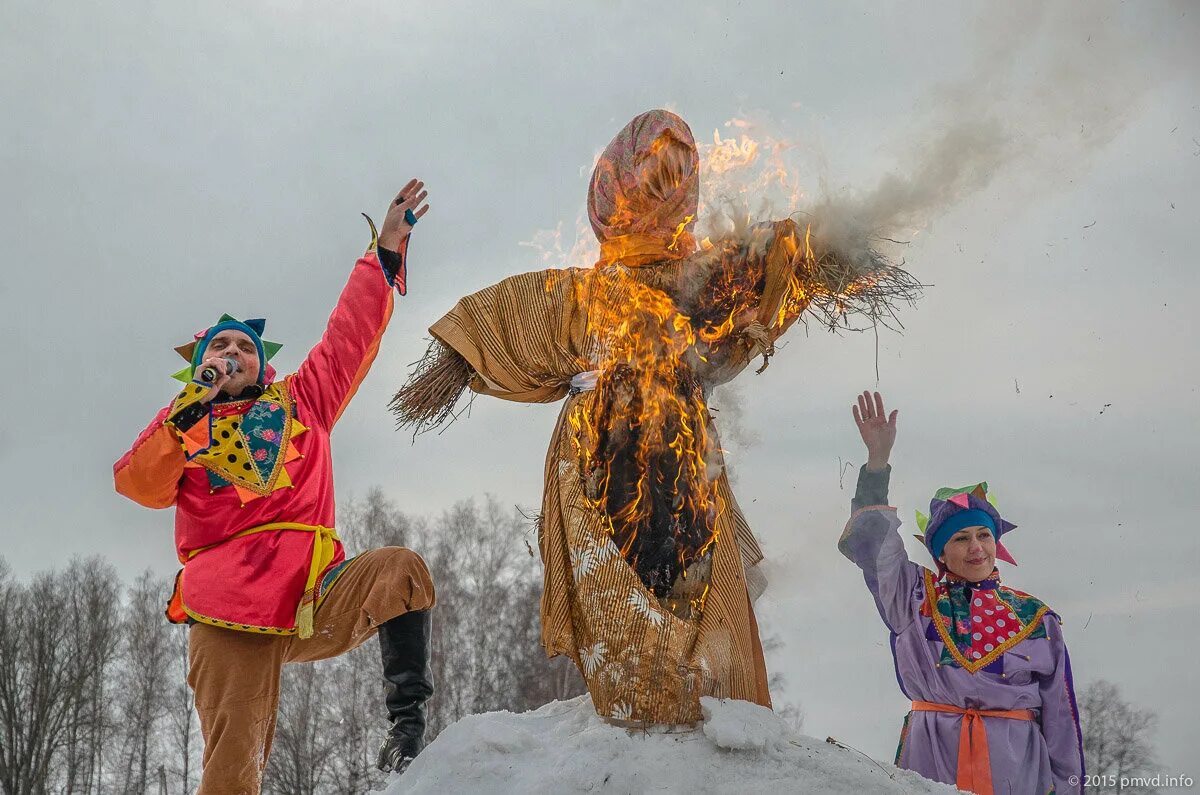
193,351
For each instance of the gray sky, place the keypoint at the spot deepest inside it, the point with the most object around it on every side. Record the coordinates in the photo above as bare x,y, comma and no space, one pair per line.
162,163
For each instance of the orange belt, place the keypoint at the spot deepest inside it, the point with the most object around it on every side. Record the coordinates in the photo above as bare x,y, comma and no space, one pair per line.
974,763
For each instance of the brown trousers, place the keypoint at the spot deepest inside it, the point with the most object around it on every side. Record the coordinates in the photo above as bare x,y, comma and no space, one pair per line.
235,675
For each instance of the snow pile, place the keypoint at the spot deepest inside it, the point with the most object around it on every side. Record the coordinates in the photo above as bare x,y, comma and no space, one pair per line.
565,747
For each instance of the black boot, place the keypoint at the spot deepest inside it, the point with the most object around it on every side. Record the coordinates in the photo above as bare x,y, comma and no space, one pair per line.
404,642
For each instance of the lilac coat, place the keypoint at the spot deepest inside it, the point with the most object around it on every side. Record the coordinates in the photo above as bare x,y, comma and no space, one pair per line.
1027,757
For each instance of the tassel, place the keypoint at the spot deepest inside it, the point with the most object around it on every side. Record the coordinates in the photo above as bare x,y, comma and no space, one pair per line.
304,616
322,555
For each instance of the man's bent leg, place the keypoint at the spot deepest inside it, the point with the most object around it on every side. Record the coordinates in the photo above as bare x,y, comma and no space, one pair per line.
377,586
388,591
235,677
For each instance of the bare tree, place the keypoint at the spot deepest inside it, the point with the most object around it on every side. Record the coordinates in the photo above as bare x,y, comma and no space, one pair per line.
537,679
183,744
92,635
147,663
11,686
39,680
485,646
93,693
373,522
1116,738
299,762
358,719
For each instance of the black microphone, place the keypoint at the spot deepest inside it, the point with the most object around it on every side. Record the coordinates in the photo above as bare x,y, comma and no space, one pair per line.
208,374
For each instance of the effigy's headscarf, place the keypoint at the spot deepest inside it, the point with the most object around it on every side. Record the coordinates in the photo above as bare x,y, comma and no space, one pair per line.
633,221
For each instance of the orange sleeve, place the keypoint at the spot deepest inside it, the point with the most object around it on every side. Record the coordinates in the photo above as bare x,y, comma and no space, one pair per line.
149,473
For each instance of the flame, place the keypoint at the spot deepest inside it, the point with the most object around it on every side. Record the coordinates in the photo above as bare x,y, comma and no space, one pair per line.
738,170
643,435
752,167
729,153
646,449
647,453
679,230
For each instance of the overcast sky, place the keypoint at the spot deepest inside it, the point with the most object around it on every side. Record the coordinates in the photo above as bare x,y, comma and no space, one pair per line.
162,163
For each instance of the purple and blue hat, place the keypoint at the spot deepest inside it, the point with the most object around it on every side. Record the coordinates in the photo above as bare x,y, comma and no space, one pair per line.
952,509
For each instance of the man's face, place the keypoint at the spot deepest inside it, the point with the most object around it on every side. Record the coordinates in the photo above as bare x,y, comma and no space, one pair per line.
233,344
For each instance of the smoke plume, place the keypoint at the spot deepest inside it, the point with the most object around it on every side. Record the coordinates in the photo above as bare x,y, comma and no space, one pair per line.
1049,85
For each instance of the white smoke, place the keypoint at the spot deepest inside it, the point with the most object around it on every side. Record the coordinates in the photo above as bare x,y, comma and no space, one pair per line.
727,403
1050,84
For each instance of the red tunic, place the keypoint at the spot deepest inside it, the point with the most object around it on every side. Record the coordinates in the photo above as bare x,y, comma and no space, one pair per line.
242,570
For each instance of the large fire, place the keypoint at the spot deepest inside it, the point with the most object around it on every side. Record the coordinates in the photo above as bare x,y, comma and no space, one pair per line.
643,435
665,334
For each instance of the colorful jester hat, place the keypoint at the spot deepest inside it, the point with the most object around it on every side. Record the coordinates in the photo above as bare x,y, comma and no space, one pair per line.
951,510
193,351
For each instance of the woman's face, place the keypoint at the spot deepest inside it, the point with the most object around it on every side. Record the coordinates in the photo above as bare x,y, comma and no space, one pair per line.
971,553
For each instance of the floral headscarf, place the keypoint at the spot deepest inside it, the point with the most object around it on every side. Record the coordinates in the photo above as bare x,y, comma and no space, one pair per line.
634,225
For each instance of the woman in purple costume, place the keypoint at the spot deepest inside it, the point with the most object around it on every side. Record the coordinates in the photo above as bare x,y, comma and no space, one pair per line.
986,667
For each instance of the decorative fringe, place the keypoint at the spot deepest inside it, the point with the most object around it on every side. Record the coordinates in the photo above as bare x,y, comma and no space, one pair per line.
434,388
304,616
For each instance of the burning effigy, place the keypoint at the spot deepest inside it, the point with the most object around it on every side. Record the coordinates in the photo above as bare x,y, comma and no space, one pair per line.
645,551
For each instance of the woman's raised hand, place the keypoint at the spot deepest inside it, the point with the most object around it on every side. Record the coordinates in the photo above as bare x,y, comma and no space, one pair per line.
878,430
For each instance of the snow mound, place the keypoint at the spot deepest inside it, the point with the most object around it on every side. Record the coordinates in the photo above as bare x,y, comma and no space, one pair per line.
565,747
742,726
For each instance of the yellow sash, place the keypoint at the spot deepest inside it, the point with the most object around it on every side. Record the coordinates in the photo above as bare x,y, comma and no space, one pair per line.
322,556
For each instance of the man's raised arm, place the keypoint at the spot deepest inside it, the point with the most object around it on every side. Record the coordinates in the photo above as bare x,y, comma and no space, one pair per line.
334,368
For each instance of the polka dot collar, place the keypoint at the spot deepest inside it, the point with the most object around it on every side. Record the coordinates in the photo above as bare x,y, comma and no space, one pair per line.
977,622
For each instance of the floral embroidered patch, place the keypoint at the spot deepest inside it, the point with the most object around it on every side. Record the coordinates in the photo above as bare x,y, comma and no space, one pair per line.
249,442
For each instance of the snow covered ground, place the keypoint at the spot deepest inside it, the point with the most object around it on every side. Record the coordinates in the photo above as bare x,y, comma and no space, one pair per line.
564,747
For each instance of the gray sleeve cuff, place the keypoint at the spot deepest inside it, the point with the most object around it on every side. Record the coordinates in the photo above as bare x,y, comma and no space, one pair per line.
872,488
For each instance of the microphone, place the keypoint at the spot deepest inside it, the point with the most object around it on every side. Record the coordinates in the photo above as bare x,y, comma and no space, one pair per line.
208,374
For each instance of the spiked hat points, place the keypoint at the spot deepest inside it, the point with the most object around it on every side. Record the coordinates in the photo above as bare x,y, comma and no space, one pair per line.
951,502
193,351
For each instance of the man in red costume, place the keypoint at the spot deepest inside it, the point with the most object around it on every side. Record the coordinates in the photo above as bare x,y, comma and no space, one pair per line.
245,460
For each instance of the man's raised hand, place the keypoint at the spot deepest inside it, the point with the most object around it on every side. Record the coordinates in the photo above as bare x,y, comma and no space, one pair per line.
878,430
398,223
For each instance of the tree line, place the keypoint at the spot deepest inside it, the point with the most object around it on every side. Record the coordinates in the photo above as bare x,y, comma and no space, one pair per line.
93,692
